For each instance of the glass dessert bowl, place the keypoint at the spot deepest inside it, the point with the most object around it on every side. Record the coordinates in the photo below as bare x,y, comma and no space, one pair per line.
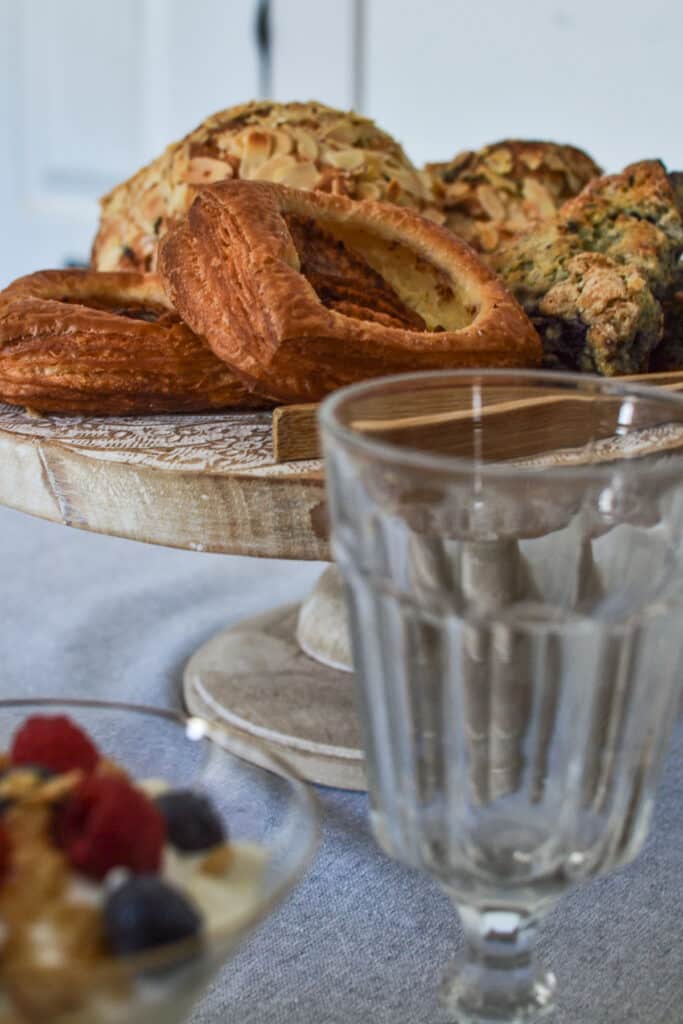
138,848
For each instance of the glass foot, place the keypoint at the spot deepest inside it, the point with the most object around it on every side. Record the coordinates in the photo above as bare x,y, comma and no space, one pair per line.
468,998
497,978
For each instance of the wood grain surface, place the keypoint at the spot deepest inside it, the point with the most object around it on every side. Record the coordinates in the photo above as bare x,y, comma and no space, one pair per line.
203,482
213,482
433,418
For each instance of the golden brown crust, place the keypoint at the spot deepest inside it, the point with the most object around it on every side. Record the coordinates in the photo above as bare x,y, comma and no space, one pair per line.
600,318
593,278
76,341
304,145
633,217
492,194
233,271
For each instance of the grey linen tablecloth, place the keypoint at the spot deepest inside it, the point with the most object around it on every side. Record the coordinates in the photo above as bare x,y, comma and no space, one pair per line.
362,939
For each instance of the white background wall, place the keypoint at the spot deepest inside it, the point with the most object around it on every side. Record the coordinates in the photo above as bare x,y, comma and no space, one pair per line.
90,89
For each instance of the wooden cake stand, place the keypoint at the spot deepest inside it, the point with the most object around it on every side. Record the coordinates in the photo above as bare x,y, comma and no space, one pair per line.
209,483
218,483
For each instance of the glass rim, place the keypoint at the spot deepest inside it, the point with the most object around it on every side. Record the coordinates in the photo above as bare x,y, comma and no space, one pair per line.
330,423
210,731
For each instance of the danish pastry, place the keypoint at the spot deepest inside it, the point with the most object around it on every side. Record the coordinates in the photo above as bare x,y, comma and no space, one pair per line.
302,292
106,344
492,194
304,145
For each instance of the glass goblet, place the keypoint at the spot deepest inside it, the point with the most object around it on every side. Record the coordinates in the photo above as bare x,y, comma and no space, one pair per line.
512,548
269,817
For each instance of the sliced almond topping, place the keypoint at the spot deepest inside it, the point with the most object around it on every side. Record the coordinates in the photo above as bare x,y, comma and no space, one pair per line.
458,190
555,161
283,143
305,175
152,204
345,159
257,148
491,202
408,180
488,236
500,160
274,168
532,160
306,145
499,181
343,131
458,161
230,142
180,199
539,197
202,170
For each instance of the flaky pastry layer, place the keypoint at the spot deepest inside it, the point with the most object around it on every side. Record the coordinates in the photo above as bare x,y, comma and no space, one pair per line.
77,341
235,274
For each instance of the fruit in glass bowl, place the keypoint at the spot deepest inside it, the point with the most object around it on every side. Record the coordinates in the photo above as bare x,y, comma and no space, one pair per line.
137,849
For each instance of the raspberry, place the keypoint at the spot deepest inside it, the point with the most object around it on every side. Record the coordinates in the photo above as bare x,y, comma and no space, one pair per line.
54,742
5,851
107,823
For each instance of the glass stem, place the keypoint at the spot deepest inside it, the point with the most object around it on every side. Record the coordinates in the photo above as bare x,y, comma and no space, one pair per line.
497,978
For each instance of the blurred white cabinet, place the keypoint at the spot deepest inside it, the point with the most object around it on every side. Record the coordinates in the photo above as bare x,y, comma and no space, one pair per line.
91,90
446,75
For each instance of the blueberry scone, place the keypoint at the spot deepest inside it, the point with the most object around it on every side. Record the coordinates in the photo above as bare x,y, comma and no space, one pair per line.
594,278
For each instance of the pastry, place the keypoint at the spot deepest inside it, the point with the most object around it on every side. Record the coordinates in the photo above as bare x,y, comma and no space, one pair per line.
302,292
75,341
304,145
600,317
669,353
492,194
593,278
633,217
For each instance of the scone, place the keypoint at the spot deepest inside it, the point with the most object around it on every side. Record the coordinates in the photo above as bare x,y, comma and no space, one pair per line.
303,145
303,292
593,278
669,353
492,194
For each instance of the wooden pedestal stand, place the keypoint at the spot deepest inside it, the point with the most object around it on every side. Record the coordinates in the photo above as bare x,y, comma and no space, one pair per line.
215,483
209,483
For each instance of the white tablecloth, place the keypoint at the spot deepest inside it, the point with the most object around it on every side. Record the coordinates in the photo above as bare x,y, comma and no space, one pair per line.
362,939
